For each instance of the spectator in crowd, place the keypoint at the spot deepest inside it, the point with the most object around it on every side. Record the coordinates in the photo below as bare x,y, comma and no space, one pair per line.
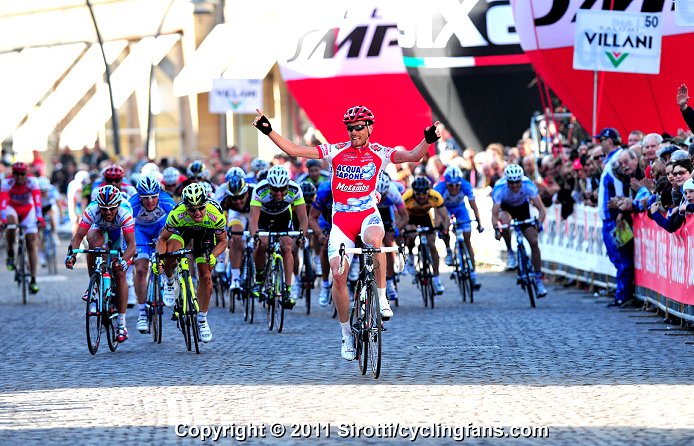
609,196
687,111
635,137
674,218
650,144
665,151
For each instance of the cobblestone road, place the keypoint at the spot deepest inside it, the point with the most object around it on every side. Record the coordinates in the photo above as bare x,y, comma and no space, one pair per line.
589,374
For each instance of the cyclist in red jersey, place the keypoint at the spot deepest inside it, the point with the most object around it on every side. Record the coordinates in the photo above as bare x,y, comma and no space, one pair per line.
20,203
355,166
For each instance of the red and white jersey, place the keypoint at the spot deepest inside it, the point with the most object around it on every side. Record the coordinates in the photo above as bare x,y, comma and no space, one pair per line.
21,198
124,218
354,174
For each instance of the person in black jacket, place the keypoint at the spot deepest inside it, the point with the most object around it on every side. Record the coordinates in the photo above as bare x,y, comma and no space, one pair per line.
687,111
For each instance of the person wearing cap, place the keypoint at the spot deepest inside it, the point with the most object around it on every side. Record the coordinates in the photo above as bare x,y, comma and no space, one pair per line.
666,151
609,192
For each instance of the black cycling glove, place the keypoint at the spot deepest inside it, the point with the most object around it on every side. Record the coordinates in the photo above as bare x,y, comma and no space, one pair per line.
430,135
264,125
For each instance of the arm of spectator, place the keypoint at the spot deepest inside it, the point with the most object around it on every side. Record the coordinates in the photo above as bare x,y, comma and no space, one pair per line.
687,111
671,223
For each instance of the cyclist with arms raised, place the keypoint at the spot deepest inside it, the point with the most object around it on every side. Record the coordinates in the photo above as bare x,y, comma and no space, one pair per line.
512,196
111,214
354,166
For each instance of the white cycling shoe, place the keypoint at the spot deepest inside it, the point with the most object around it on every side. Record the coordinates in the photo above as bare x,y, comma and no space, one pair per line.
386,311
438,286
169,294
142,323
348,351
205,332
324,296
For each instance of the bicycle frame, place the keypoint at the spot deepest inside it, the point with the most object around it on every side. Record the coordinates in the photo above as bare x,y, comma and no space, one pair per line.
20,271
525,270
425,273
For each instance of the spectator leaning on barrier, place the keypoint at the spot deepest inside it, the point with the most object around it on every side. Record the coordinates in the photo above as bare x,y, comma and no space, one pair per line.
674,218
609,193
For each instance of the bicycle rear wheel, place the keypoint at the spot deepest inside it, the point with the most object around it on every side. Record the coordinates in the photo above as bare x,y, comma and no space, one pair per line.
524,271
308,278
280,291
373,333
93,318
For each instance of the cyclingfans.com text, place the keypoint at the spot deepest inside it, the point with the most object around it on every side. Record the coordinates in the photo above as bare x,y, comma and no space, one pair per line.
243,432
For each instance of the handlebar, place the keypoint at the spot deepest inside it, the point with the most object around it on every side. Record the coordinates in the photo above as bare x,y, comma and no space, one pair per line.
97,251
516,223
368,250
279,233
178,254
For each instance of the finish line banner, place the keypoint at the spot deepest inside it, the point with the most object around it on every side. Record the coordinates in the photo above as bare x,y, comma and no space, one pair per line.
664,262
576,241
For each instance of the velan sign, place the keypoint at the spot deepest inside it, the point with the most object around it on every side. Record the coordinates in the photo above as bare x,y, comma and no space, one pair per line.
624,42
236,95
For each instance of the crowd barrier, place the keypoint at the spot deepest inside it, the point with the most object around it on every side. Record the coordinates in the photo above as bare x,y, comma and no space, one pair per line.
573,248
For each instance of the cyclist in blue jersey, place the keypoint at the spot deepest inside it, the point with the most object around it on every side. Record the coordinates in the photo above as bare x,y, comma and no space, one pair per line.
512,196
320,220
394,216
454,188
151,206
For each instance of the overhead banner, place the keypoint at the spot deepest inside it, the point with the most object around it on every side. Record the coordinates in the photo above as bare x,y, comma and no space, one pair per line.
684,12
664,262
576,241
626,101
465,58
623,42
236,95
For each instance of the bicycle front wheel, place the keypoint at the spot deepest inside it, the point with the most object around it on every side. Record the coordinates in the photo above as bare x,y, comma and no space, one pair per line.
21,273
108,314
156,309
92,316
430,282
358,324
308,278
374,330
280,294
192,314
525,273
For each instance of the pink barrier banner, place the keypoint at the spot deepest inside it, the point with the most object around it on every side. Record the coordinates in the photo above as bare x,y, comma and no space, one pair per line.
664,262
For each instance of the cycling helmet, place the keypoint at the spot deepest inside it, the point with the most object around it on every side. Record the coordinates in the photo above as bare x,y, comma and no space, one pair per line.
196,169
421,185
194,195
259,164
148,185
208,188
44,184
383,183
453,175
114,172
312,163
150,169
513,172
108,196
237,185
278,177
171,176
234,171
308,189
358,113
20,167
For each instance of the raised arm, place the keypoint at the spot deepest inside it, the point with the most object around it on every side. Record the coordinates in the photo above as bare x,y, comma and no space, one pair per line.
263,125
431,135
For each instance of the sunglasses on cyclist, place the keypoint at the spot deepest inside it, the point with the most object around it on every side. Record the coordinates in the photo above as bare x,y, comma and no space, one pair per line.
237,197
195,210
148,197
112,180
513,182
278,189
358,127
20,174
108,208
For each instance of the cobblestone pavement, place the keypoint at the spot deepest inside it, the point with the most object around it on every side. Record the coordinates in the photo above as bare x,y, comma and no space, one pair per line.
591,375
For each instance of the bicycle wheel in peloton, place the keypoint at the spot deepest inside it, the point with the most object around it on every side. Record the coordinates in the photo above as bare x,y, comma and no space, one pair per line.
21,273
374,331
156,308
308,278
93,319
525,272
192,315
269,301
280,291
109,311
430,282
458,274
358,324
467,273
423,277
183,316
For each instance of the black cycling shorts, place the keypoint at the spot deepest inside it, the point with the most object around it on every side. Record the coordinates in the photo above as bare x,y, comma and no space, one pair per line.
275,223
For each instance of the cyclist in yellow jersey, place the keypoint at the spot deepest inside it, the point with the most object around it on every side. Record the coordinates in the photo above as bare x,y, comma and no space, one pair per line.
419,201
200,220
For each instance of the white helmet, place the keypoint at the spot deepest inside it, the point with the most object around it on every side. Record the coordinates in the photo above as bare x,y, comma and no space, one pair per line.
151,170
171,176
278,177
208,188
383,183
44,184
259,164
234,171
513,172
